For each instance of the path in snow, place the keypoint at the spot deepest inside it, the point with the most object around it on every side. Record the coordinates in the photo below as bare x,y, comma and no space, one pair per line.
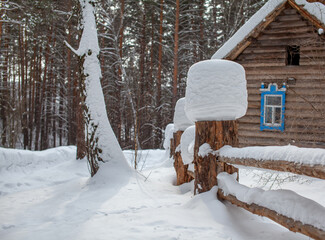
59,201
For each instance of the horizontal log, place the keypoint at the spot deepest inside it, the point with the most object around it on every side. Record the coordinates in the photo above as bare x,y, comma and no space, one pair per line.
312,99
257,98
287,69
267,49
306,29
291,17
288,24
317,171
305,49
290,122
308,40
289,128
300,84
289,11
251,57
312,47
283,136
256,141
292,225
280,58
264,64
313,92
307,114
310,77
287,36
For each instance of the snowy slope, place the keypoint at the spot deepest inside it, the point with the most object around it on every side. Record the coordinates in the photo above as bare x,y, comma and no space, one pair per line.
58,200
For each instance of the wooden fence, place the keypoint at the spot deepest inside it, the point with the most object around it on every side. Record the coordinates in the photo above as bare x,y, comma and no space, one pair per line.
317,171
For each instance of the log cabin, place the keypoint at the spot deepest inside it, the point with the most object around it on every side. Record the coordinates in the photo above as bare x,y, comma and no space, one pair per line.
282,48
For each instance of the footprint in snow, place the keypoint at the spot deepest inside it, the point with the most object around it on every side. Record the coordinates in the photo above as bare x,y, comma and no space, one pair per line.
5,227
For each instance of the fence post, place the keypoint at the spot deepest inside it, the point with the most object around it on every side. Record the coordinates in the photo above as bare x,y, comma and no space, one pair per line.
216,96
181,122
216,134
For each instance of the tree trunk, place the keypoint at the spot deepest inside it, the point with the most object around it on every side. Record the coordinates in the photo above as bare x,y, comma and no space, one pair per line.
175,73
23,89
158,96
180,168
5,95
216,134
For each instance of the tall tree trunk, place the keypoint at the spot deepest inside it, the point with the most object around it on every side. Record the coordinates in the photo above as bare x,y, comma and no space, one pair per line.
38,100
119,88
201,39
33,71
5,95
101,144
175,74
23,87
160,56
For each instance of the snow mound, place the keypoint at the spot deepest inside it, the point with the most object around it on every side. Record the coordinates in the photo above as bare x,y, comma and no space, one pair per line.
13,160
216,91
22,170
187,145
181,121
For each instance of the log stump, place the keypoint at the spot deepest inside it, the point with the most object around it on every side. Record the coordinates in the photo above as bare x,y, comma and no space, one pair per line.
217,134
181,170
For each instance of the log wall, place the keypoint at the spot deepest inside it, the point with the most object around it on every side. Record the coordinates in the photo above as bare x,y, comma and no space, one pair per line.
265,61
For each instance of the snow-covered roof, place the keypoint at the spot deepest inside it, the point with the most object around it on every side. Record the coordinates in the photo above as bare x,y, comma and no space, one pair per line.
315,9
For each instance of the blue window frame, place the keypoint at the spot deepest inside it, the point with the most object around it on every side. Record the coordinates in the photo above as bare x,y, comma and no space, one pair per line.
272,107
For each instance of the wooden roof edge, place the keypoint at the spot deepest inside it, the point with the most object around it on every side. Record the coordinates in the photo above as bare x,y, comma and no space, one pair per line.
233,54
316,22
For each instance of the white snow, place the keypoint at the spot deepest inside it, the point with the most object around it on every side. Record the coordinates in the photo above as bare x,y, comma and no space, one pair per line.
169,131
216,91
205,149
284,202
315,9
49,195
187,145
111,151
181,121
310,156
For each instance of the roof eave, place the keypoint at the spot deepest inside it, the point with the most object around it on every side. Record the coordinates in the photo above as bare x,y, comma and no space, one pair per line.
234,53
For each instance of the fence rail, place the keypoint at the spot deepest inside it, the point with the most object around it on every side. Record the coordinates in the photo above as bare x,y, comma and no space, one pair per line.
317,171
291,224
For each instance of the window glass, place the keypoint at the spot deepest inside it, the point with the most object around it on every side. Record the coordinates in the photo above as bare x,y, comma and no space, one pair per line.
268,115
277,115
273,100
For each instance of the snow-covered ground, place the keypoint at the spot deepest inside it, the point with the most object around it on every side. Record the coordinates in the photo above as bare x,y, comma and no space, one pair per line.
49,195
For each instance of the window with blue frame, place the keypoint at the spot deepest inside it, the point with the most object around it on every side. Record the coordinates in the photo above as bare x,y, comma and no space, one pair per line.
272,107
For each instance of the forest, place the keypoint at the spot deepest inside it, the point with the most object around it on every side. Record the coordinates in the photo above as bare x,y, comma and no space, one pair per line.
146,49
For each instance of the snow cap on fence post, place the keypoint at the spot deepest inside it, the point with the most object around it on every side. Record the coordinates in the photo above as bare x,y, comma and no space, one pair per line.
181,121
187,145
169,131
216,91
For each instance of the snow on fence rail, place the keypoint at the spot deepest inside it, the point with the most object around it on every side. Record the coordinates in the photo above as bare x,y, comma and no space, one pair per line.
285,207
297,213
303,161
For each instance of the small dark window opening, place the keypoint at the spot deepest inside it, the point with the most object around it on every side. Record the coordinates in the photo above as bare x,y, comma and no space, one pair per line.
293,55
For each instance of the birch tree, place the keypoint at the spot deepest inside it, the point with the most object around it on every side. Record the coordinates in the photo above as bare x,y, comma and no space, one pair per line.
101,143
